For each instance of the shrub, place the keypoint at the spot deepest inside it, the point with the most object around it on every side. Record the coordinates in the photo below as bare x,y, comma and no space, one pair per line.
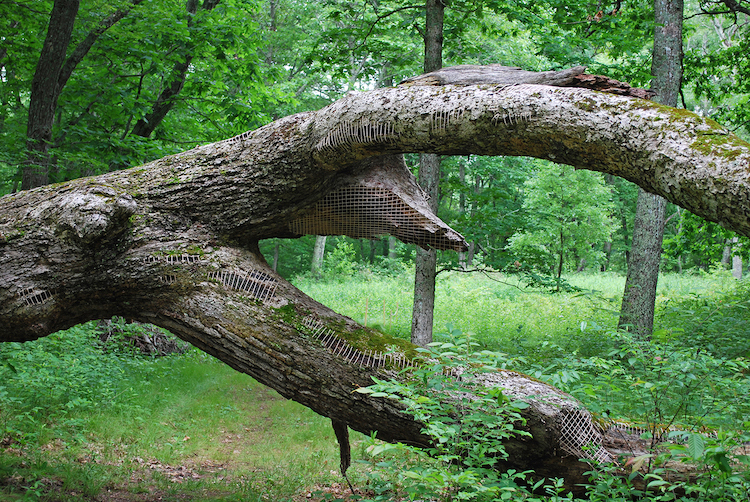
468,431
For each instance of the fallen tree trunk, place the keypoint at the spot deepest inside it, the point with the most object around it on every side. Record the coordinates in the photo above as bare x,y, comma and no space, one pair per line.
175,242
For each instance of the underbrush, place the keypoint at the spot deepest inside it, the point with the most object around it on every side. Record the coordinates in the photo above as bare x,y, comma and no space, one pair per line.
46,384
672,399
717,321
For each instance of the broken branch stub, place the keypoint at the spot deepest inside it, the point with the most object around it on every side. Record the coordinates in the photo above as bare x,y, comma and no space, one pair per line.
383,198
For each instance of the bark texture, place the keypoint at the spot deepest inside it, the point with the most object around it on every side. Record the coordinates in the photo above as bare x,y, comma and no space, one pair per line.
318,254
45,91
174,242
425,263
639,297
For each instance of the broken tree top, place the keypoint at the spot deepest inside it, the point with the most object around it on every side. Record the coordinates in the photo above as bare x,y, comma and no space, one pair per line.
506,75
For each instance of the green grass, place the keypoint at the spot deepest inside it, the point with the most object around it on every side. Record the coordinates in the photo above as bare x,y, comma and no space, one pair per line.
188,424
505,315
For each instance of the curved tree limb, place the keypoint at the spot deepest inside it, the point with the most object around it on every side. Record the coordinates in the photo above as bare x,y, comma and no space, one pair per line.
174,242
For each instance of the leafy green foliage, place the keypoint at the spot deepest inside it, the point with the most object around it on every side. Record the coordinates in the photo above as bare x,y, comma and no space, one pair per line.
657,384
613,39
660,386
570,214
698,243
482,198
717,68
43,383
715,322
123,75
467,430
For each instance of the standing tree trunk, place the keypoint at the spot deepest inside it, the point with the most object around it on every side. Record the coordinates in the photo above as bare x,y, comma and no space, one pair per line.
175,242
45,91
639,296
52,72
425,266
318,254
275,264
392,255
462,209
736,258
726,254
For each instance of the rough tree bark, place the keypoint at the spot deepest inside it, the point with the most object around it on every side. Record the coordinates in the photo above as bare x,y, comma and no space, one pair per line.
639,295
45,90
174,242
318,254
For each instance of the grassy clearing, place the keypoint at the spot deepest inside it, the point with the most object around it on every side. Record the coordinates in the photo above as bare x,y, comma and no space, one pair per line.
500,312
182,427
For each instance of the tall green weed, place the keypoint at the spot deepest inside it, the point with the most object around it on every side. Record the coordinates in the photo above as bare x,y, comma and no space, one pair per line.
467,430
653,383
715,321
44,383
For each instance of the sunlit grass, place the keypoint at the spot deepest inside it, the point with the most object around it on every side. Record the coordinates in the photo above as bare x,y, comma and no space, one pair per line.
501,312
501,315
222,425
189,423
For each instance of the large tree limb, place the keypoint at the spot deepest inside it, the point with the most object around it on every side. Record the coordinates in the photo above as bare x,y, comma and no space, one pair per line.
174,242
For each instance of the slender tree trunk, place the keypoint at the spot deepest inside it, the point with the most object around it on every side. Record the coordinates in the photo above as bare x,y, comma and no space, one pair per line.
736,259
560,257
639,296
737,266
607,256
318,255
470,254
726,254
429,179
45,91
462,208
276,247
392,247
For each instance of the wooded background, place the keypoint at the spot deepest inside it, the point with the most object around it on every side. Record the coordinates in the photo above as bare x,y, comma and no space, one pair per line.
140,79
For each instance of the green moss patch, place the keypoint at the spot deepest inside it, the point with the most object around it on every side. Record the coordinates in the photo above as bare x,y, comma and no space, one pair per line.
727,146
365,339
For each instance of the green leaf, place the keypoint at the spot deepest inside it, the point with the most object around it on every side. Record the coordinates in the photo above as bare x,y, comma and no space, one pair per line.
696,446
